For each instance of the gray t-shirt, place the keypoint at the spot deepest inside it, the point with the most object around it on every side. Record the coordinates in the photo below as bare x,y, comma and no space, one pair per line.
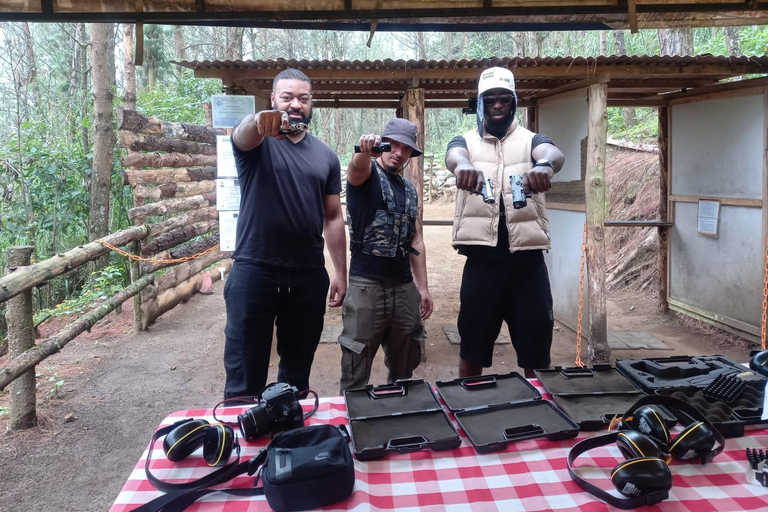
282,208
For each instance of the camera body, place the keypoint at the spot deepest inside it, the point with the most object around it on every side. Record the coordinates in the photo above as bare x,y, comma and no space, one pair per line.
279,410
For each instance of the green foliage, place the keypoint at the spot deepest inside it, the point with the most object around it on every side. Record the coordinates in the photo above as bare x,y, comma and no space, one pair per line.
180,101
644,129
102,285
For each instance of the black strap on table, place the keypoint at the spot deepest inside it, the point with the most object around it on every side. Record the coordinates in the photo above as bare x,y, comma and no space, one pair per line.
179,496
622,503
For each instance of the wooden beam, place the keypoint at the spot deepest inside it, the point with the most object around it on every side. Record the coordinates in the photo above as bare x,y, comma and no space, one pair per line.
632,15
413,110
725,201
169,206
168,175
178,236
575,86
718,88
394,105
168,190
133,121
647,102
572,71
158,160
599,350
663,234
138,142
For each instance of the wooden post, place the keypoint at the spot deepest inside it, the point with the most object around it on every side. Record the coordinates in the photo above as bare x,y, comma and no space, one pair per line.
663,306
413,110
429,186
135,276
599,351
21,338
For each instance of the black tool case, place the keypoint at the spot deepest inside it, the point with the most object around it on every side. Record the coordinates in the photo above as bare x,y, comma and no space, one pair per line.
495,410
728,418
401,417
653,374
593,396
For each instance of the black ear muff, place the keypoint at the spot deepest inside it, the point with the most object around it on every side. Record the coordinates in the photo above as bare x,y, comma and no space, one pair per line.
185,439
636,445
695,442
648,421
642,476
218,444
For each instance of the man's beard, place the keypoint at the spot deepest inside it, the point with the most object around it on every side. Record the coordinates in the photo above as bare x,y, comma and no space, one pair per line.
498,128
306,119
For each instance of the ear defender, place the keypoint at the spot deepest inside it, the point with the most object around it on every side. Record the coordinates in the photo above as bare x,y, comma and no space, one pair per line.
635,445
217,441
642,476
648,421
695,442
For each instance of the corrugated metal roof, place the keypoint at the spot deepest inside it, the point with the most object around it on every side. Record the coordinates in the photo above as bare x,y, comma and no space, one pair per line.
513,62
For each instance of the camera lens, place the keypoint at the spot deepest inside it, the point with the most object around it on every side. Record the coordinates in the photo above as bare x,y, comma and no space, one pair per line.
254,422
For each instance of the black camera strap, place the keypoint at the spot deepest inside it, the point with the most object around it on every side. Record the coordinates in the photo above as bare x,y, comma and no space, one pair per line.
179,496
254,400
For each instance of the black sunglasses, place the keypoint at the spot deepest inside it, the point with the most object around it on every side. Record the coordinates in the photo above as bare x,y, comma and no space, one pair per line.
505,99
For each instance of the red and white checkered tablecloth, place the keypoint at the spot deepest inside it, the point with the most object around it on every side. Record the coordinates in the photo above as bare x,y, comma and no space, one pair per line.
527,476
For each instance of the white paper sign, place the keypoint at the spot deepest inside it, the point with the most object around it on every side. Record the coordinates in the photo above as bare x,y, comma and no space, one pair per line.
227,194
228,230
228,110
225,158
709,213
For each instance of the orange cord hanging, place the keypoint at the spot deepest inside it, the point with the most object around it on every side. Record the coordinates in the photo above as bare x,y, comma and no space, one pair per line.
578,361
155,260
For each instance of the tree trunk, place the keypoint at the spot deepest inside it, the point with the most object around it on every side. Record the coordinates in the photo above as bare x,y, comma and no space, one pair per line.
138,142
183,251
675,41
168,160
129,68
732,43
599,351
663,236
152,53
103,61
21,339
621,49
234,43
449,45
170,206
193,188
54,344
184,219
169,175
177,236
25,278
132,121
179,48
31,79
84,100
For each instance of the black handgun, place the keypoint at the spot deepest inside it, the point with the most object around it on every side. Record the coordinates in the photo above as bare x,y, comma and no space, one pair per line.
518,192
384,147
486,191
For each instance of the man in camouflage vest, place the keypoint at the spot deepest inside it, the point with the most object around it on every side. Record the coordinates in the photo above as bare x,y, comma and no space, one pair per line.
388,296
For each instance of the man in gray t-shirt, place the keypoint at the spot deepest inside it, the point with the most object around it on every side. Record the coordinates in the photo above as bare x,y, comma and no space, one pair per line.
290,185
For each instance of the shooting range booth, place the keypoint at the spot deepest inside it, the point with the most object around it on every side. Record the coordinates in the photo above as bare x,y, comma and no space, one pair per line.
713,133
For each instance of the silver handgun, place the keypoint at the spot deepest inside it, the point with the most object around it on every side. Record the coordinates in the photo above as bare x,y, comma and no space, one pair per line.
486,191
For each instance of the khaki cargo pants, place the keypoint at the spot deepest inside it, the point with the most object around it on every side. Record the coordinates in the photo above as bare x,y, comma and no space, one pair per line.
380,314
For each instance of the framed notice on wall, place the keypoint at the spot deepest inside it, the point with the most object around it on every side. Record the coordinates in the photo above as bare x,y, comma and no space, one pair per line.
228,110
709,216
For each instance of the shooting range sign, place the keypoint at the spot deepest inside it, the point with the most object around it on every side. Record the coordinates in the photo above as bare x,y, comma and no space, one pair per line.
228,230
228,110
709,215
225,159
227,194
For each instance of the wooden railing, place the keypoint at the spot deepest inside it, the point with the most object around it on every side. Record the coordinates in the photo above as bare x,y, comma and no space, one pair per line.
171,169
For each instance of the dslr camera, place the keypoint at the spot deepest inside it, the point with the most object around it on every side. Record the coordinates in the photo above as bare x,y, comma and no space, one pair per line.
279,410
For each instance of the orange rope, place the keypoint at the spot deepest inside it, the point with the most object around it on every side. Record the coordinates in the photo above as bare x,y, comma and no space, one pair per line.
155,260
578,361
765,298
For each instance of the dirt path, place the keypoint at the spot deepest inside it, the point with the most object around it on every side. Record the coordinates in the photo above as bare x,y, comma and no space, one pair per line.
120,386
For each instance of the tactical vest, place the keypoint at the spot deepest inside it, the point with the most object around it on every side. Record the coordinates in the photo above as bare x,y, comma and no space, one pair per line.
390,231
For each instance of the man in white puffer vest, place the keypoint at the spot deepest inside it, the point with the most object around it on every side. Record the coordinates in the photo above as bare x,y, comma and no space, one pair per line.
505,278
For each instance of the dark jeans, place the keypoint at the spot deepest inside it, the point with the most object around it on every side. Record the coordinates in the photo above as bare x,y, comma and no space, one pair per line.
259,296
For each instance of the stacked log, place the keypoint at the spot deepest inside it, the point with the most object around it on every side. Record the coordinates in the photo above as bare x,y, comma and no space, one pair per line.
171,168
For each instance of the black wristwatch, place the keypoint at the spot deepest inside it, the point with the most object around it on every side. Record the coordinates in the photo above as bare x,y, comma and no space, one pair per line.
543,162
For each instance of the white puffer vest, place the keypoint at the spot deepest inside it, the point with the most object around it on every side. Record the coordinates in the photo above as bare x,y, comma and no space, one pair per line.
477,223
